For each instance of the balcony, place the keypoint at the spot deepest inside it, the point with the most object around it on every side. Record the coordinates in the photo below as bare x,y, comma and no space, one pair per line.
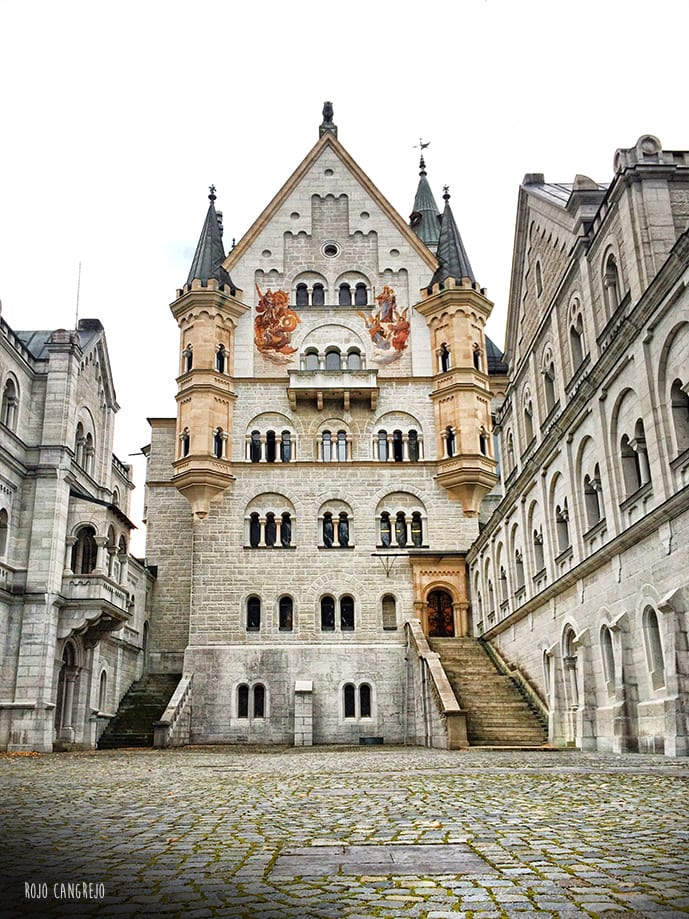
345,385
94,606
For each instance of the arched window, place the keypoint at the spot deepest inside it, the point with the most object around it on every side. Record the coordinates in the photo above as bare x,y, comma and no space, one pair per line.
416,529
360,295
349,699
345,295
389,613
311,360
611,284
483,442
528,421
343,529
326,447
286,529
502,585
10,403
271,529
476,355
89,454
221,359
397,446
576,341
654,647
187,358
510,452
413,446
328,530
353,360
255,447
79,443
253,614
4,530
449,441
333,360
539,280
549,385
84,551
285,447
302,295
383,446
254,530
103,692
519,569
327,614
218,443
592,502
285,614
341,446
243,701
271,447
608,656
259,700
679,400
385,530
318,295
539,557
562,525
444,356
364,701
184,442
401,529
347,613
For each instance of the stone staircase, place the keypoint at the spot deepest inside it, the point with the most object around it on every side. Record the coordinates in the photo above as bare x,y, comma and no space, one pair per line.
143,703
498,713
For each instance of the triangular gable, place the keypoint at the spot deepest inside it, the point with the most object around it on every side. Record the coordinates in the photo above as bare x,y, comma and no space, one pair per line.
94,340
328,139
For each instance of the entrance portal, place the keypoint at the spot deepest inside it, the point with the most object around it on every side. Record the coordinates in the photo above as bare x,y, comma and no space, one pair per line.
440,612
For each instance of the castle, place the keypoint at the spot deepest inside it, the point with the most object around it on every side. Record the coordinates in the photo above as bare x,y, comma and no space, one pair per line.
358,485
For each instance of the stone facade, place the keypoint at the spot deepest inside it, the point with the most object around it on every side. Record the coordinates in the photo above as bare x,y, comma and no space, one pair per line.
321,483
73,602
580,577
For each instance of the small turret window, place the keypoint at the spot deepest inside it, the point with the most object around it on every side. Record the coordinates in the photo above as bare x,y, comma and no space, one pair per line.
187,358
221,359
444,356
449,441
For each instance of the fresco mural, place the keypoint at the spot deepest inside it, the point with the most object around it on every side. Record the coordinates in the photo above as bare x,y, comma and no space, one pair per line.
274,324
388,328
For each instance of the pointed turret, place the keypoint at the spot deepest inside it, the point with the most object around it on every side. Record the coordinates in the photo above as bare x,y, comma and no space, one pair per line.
425,218
452,256
210,252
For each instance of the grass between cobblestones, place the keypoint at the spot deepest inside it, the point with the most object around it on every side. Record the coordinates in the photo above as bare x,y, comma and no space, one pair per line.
204,832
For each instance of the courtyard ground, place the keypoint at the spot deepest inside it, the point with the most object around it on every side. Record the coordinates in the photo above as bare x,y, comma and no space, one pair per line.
326,832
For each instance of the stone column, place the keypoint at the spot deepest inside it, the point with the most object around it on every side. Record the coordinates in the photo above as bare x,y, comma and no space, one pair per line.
101,543
70,542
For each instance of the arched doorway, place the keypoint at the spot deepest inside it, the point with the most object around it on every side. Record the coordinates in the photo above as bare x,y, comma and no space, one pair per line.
440,613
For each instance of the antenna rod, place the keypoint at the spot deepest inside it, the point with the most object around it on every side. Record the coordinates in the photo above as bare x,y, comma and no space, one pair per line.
76,318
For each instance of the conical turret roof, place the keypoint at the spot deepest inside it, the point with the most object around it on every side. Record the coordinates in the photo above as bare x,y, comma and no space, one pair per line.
210,252
425,218
452,256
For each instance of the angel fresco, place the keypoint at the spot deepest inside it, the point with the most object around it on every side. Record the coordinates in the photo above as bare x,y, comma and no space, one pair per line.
274,324
388,327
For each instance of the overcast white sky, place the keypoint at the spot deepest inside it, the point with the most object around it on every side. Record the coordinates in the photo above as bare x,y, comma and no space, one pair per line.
115,118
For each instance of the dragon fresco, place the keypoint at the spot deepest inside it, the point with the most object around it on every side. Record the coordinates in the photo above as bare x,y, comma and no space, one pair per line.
388,327
274,324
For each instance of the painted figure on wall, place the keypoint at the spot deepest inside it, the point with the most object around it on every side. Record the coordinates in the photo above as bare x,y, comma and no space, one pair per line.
274,324
388,328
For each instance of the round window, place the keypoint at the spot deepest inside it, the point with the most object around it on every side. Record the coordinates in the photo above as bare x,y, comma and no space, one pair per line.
330,249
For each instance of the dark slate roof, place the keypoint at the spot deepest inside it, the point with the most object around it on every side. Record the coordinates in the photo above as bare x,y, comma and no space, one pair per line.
556,192
210,252
454,262
425,218
36,341
496,363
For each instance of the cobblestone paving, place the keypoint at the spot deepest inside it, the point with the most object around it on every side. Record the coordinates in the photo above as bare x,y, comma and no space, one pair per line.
222,831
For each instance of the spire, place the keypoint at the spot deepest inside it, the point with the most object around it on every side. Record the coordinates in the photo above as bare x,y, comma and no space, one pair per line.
210,252
454,262
425,218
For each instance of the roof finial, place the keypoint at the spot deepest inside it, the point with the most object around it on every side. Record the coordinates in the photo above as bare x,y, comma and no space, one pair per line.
422,166
211,189
327,126
446,192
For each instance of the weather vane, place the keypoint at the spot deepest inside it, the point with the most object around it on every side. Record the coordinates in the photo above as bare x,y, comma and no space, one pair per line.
422,144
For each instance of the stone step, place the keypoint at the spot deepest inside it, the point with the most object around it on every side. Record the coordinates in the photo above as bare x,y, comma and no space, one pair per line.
142,705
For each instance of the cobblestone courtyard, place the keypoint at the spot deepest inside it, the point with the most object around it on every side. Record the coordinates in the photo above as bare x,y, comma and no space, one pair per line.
344,832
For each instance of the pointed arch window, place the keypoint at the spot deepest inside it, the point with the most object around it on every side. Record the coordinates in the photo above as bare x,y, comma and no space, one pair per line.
654,647
549,385
253,614
592,497
528,421
360,295
539,556
519,569
576,341
611,284
318,295
345,295
608,656
562,525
